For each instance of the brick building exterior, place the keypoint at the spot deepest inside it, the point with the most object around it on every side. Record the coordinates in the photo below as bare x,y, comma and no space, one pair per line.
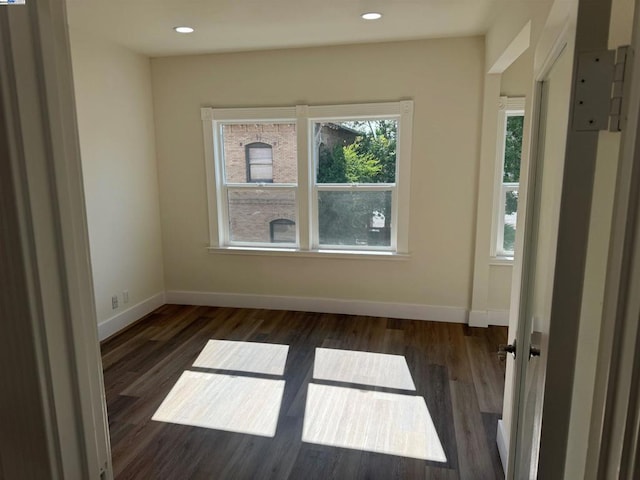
277,139
267,153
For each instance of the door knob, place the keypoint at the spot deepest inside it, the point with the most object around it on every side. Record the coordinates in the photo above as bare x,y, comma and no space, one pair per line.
504,349
534,351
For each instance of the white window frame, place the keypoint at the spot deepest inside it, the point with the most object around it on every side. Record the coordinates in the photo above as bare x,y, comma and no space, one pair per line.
217,187
307,240
507,107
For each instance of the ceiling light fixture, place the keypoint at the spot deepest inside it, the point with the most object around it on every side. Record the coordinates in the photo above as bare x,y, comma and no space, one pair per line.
371,16
183,29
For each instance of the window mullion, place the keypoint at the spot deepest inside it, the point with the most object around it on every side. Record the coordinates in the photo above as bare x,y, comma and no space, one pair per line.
394,218
262,186
501,211
223,220
368,187
304,177
497,220
221,194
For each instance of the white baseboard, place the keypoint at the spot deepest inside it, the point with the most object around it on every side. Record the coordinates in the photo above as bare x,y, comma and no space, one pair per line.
478,318
499,318
113,325
503,448
321,305
412,311
484,318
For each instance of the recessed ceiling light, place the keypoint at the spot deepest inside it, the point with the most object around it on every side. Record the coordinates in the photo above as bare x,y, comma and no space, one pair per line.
371,15
183,29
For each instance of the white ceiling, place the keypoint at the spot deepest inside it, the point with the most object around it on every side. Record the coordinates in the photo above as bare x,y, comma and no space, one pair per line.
145,26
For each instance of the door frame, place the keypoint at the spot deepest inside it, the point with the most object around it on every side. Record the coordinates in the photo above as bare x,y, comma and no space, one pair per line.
614,439
591,34
55,423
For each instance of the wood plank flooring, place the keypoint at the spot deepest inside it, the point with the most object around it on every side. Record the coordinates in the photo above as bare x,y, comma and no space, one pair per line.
454,368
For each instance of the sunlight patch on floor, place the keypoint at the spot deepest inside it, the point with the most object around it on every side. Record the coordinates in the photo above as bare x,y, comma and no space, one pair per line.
224,402
268,358
371,421
364,368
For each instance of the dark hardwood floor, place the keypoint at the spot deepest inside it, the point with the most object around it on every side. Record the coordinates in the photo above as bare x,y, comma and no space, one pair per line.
454,368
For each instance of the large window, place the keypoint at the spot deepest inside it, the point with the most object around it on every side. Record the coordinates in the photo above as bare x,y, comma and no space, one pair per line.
316,179
510,129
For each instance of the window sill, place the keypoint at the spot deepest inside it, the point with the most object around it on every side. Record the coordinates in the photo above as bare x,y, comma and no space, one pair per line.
292,252
501,261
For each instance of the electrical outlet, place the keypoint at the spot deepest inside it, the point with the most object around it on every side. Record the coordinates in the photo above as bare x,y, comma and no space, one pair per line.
125,296
114,302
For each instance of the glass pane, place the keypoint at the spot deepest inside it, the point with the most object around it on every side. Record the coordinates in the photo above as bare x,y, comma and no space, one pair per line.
513,149
252,212
283,231
354,218
356,151
260,153
510,219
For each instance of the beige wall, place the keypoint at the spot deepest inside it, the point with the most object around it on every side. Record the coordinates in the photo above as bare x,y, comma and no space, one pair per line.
117,142
443,77
499,287
512,17
517,80
492,278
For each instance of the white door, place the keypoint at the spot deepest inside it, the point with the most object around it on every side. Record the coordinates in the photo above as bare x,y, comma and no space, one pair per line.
554,92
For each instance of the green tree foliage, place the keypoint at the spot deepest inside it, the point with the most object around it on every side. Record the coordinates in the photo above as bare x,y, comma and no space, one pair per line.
512,157
360,167
509,238
511,205
371,158
513,149
332,166
379,140
345,217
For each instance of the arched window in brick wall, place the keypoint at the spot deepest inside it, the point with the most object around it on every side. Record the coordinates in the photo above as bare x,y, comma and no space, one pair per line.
259,162
282,230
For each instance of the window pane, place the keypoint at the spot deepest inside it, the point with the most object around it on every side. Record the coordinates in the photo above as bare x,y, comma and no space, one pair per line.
510,218
251,211
513,149
356,151
260,153
354,218
283,231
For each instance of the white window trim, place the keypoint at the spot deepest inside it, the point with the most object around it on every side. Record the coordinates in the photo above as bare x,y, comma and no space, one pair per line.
507,107
305,116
